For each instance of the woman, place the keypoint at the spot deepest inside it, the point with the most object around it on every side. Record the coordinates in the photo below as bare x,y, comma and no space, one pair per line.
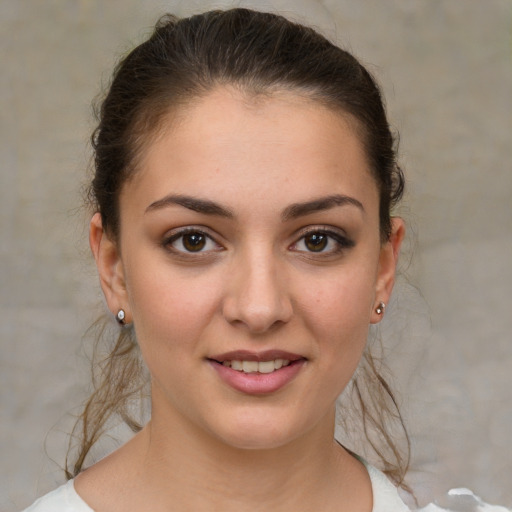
245,177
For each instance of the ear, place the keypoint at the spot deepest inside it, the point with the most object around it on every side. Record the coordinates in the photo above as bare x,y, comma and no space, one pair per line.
110,267
388,260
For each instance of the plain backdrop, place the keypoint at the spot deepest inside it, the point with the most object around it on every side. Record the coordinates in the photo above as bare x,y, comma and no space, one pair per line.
445,67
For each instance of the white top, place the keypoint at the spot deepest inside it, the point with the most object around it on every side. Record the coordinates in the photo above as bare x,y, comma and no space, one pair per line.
385,494
385,499
62,499
66,499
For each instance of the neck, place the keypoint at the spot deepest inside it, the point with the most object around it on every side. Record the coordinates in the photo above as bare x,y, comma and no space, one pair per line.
191,470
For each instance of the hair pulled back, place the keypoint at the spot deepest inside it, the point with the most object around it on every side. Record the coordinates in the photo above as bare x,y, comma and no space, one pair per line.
258,53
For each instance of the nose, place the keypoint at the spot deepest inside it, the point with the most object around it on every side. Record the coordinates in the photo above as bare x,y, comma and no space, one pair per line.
258,296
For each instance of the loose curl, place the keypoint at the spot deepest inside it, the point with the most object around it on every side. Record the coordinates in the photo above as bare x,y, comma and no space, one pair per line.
258,53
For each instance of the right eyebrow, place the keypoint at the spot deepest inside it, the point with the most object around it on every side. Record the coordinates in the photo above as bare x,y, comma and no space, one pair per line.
195,204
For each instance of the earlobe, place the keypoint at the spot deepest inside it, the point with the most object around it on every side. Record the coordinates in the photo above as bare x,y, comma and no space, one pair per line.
388,260
109,265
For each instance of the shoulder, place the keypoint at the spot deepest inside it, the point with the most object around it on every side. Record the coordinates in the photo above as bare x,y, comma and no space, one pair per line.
385,494
63,499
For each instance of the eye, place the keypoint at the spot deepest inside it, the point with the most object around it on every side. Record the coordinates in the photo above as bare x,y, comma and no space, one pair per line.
191,241
322,242
316,242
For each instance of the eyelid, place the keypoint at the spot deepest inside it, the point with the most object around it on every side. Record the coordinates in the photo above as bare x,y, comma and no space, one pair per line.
338,235
176,233
321,228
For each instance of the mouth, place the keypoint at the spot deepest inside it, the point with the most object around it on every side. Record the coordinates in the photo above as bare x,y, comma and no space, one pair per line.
257,373
256,362
256,366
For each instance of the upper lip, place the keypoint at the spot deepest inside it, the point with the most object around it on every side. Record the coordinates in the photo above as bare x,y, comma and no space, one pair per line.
247,355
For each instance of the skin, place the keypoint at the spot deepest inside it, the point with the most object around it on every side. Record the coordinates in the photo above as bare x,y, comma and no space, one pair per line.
254,285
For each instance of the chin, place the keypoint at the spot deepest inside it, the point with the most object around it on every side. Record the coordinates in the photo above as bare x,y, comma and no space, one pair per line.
259,434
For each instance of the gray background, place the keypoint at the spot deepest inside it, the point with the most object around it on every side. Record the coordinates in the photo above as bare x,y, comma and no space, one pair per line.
446,70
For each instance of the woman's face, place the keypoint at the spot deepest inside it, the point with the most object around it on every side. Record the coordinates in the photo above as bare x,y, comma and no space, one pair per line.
250,264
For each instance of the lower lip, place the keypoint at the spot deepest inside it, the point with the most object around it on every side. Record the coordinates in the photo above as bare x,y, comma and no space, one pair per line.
258,383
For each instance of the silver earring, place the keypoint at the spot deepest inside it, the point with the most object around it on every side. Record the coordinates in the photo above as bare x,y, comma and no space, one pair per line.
380,308
120,317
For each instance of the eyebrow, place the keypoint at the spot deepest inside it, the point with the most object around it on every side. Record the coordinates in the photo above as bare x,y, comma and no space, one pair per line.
293,211
317,205
192,203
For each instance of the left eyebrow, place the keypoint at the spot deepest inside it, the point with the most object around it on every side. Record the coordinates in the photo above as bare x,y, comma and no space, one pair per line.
317,205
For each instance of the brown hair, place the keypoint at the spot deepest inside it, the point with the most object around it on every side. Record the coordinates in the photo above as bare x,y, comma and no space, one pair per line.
258,53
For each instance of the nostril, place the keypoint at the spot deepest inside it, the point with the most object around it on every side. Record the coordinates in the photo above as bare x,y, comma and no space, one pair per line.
257,318
257,294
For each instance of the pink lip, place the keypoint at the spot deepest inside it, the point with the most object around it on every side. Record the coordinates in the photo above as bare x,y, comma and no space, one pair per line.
257,383
246,355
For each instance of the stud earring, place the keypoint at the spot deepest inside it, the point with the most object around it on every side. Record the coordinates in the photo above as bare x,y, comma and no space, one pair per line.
380,308
120,317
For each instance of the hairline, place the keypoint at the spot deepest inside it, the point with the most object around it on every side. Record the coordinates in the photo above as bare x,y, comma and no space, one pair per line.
169,118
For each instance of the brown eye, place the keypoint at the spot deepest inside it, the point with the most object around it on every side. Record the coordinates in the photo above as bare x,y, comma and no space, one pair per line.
316,242
194,242
191,241
323,242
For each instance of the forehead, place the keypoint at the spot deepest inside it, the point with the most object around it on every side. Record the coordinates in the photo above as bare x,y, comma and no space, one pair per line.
231,143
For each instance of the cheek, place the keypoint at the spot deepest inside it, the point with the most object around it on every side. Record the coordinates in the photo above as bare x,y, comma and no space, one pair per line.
170,311
341,303
338,314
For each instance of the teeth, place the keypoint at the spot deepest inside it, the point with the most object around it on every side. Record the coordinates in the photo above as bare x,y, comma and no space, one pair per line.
250,366
237,365
266,366
257,366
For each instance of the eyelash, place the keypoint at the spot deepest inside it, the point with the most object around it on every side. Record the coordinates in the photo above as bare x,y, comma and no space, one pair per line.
341,241
181,234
